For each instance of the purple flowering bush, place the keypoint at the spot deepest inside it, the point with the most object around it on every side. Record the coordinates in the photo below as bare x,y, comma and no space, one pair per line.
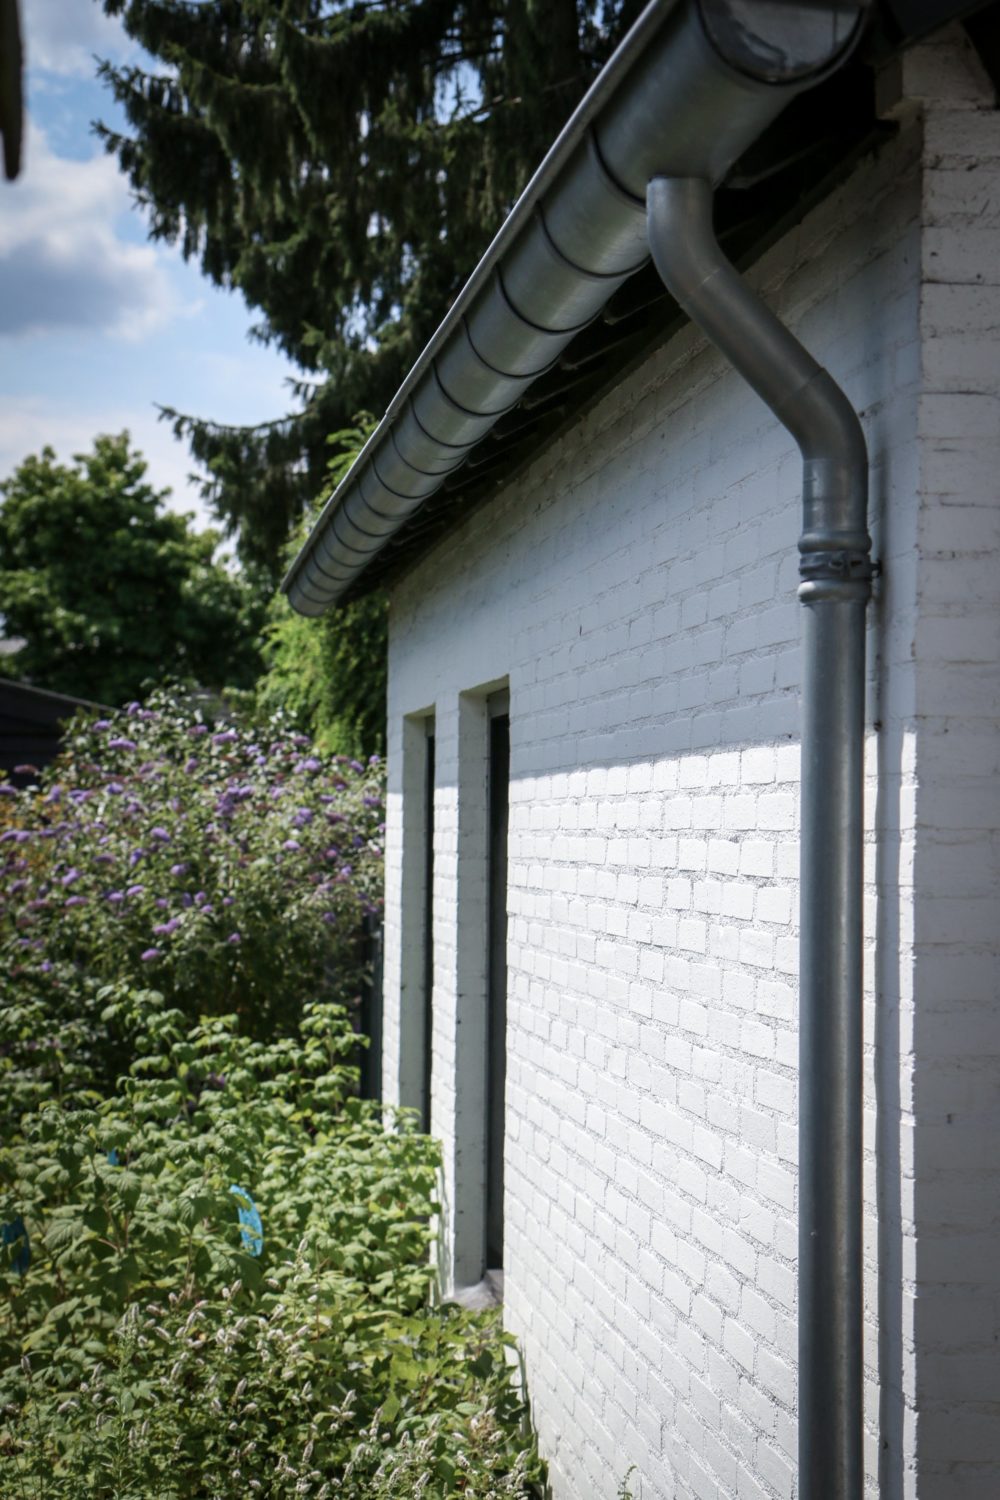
227,867
215,1260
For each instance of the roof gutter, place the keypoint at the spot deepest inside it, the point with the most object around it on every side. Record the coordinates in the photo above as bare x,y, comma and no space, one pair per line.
692,85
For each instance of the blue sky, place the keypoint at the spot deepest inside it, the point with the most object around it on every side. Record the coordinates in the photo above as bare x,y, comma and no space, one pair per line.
98,324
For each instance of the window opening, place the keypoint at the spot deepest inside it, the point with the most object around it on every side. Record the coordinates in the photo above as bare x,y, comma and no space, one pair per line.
496,1034
415,916
428,924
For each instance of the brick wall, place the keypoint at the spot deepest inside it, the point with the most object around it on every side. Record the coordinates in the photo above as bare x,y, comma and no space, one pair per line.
636,588
951,1115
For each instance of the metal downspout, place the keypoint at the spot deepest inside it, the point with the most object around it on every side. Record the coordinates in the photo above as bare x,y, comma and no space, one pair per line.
836,575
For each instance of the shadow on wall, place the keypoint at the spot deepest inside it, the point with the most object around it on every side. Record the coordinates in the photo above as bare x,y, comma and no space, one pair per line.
771,818
888,1176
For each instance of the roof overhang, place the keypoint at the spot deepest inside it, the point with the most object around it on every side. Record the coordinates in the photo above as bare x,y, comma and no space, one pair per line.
693,90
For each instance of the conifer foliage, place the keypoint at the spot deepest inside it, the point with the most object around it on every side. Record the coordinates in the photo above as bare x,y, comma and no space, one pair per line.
343,165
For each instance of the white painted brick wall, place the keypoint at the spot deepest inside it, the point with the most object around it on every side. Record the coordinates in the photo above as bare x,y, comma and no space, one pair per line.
951,1116
637,588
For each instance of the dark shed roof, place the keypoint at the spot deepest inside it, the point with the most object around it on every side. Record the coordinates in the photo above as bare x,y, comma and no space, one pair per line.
31,721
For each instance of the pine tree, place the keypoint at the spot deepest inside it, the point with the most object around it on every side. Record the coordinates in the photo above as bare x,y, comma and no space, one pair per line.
343,165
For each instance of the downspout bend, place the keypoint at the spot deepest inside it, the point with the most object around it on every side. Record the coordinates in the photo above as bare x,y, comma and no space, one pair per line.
836,571
835,544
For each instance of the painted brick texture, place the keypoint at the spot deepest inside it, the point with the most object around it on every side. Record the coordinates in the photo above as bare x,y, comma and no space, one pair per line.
636,589
951,1120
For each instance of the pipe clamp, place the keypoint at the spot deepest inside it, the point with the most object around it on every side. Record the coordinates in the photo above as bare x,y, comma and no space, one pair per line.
842,565
841,576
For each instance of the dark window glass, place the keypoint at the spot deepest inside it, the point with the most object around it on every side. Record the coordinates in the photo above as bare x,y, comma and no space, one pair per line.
496,1073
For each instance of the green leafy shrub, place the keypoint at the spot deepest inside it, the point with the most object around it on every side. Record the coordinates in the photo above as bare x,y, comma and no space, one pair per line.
329,673
146,1353
173,899
228,867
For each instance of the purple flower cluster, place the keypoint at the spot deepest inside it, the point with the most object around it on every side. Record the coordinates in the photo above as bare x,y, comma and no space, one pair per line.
210,866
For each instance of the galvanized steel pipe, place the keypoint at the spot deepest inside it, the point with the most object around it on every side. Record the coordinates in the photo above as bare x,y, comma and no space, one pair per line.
836,571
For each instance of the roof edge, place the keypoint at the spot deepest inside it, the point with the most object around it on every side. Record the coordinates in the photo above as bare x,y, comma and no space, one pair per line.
685,93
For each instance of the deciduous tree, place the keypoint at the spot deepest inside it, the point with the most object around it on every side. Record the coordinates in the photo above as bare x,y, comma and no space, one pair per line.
108,589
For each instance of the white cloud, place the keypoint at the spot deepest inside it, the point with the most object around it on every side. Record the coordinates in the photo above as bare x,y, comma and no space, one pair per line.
63,36
62,264
30,423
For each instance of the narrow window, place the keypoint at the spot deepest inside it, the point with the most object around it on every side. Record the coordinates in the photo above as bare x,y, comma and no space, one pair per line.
370,1019
410,1046
496,1031
428,925
480,1016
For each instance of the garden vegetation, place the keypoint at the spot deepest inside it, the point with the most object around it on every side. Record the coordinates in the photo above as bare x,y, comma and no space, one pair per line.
108,590
343,167
215,1269
330,673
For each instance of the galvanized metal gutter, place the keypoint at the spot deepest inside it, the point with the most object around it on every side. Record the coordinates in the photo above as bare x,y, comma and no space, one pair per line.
678,97
691,87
